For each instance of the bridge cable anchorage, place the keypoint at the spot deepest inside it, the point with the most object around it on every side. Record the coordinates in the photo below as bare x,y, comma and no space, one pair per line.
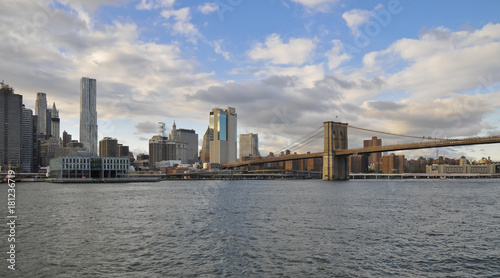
304,138
395,134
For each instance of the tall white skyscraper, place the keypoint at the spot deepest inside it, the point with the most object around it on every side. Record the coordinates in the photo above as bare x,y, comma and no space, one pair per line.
88,114
222,133
41,112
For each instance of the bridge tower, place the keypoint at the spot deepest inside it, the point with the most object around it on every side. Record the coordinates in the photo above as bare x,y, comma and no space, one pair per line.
335,167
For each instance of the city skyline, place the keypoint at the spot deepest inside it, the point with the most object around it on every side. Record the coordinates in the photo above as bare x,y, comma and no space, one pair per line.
421,70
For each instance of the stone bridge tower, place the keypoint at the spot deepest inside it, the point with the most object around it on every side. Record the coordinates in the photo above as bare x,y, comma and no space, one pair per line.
335,167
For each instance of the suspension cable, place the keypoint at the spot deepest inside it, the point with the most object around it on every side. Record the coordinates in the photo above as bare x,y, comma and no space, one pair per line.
304,138
394,134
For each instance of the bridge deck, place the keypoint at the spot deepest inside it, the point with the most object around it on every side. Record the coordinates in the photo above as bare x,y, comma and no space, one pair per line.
397,147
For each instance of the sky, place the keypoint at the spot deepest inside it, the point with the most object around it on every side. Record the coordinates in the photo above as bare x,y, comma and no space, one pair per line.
422,68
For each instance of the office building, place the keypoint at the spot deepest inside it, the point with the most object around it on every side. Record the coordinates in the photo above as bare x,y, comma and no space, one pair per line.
66,138
36,145
157,149
27,137
10,126
55,124
223,134
41,112
205,147
88,114
249,145
162,148
123,151
190,138
108,147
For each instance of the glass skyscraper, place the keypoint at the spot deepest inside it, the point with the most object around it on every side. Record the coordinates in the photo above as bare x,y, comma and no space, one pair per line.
222,135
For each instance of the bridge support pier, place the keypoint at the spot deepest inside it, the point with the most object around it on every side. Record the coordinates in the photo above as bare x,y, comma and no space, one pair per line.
335,167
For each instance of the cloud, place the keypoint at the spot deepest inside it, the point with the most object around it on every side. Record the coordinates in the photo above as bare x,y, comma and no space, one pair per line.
181,23
146,127
208,8
356,18
317,5
296,52
218,49
439,65
154,4
336,56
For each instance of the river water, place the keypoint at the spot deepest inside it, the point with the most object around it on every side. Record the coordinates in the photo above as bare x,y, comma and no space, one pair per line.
285,228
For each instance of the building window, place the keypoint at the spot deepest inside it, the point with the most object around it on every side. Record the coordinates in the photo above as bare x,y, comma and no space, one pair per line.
222,125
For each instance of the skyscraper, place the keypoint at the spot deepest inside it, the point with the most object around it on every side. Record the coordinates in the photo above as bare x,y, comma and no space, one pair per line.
108,147
190,137
161,129
27,136
205,147
41,112
10,126
55,132
249,145
88,114
222,133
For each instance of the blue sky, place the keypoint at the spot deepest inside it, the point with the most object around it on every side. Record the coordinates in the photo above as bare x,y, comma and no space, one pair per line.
426,68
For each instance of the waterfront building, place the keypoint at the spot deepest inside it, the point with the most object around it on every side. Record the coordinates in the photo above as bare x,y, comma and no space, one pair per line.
55,125
41,112
88,114
464,168
374,158
10,127
393,164
249,145
89,167
358,163
222,135
27,135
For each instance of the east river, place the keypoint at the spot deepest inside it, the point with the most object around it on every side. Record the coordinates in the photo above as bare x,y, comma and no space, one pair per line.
280,228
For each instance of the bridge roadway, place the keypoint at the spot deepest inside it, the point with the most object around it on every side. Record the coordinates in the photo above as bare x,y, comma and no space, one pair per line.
397,147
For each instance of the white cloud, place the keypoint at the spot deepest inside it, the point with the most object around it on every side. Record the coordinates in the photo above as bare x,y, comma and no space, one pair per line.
336,56
296,52
182,25
154,4
356,18
218,49
317,5
208,8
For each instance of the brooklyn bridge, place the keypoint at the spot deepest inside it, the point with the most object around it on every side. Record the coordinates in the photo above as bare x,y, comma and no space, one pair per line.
336,152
